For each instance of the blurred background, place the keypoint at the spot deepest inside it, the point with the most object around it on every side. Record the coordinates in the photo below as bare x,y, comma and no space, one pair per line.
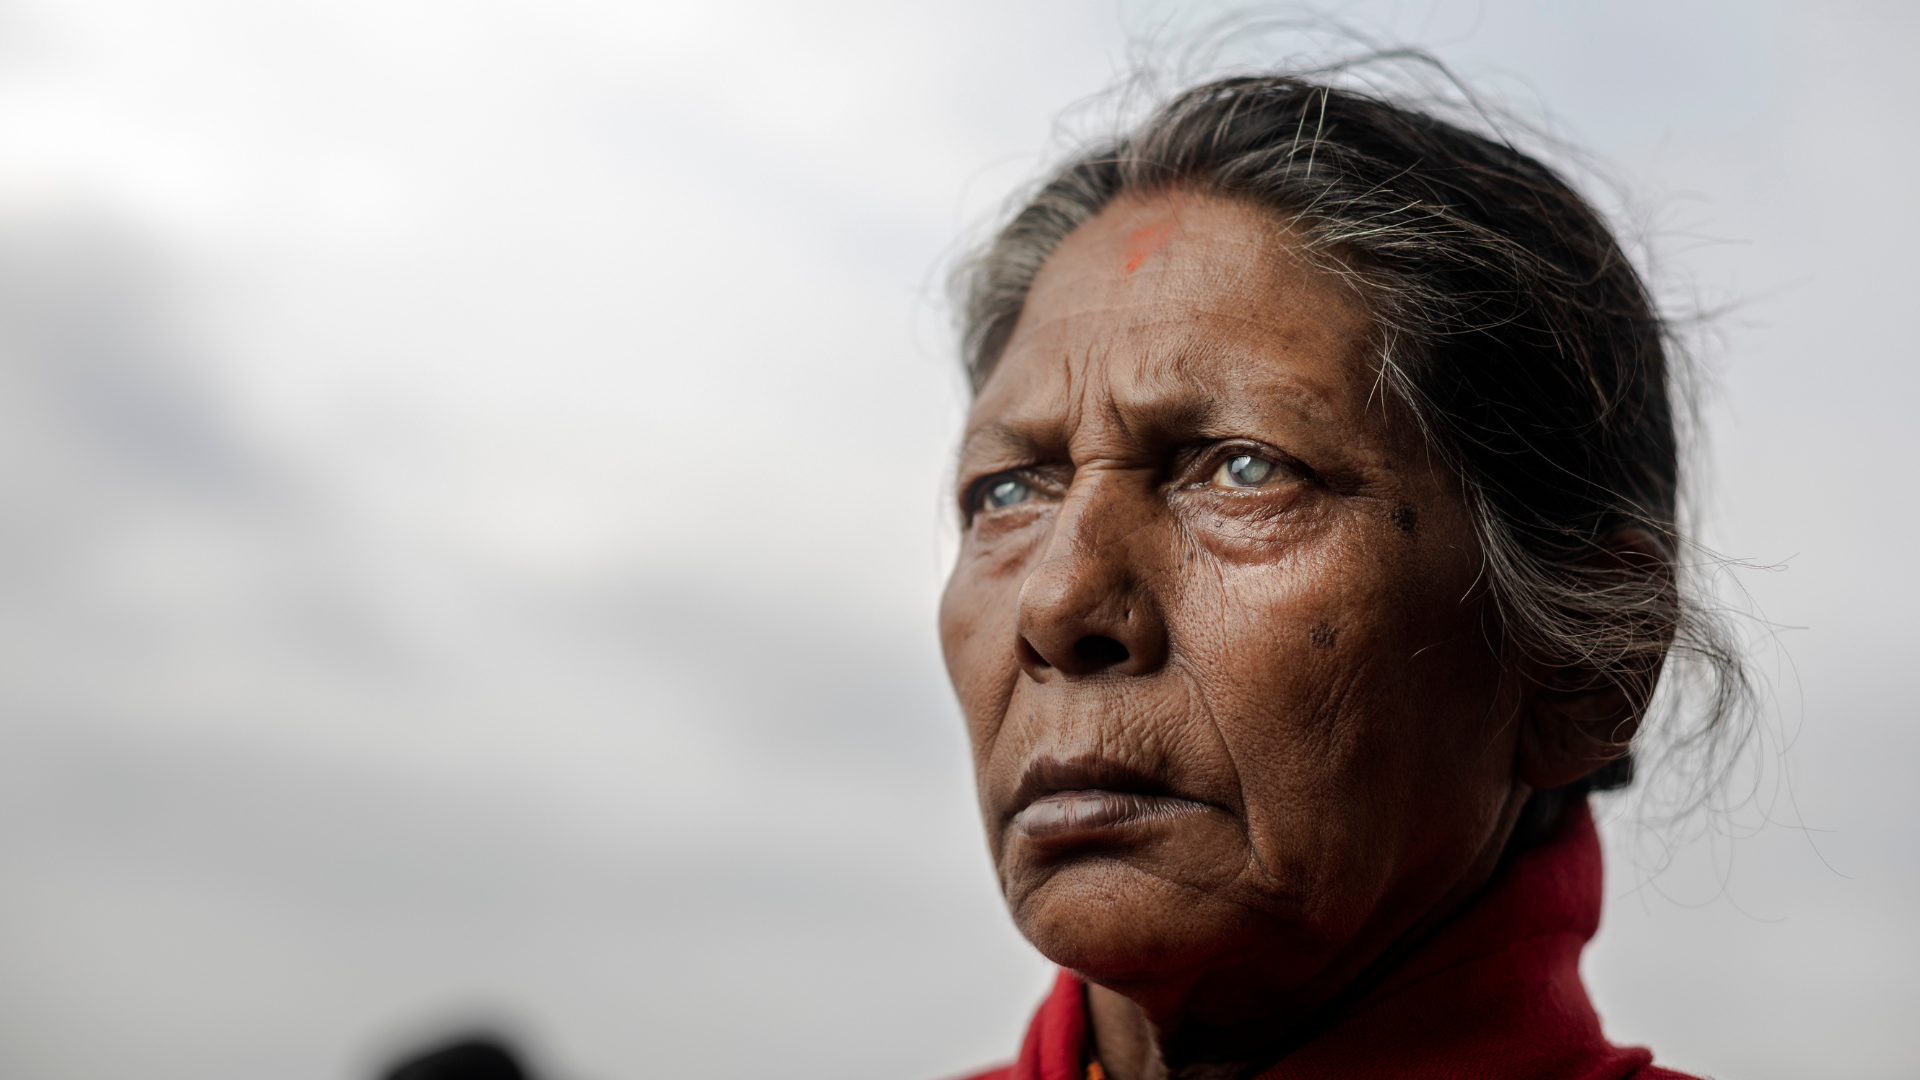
471,514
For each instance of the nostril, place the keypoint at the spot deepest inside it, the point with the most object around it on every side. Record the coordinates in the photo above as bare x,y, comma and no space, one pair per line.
1097,651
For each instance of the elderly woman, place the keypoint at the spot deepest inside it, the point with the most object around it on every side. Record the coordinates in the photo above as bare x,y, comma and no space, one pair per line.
1318,498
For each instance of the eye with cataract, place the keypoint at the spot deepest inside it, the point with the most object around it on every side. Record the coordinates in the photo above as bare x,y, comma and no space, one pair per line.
1004,492
1243,471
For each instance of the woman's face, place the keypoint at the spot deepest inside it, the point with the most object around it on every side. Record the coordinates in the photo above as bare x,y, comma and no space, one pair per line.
1236,716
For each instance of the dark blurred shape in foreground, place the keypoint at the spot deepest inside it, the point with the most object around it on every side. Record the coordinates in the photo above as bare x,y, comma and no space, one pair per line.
482,1057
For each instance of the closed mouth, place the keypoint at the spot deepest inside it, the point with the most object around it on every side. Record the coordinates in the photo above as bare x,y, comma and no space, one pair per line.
1085,798
1064,814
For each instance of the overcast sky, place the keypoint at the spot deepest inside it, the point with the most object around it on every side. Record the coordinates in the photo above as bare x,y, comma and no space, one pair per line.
472,509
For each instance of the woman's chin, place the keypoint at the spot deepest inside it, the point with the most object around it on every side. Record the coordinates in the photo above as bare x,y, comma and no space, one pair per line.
1114,922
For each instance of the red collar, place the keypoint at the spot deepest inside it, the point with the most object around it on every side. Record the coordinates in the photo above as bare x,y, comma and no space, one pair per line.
1493,994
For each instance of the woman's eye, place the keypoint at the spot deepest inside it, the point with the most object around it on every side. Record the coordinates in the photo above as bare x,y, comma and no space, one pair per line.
1246,471
1006,493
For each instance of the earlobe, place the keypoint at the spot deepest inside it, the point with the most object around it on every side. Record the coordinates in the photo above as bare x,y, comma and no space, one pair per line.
1569,733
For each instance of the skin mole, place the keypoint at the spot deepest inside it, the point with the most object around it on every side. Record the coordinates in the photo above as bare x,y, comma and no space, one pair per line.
1405,518
1322,635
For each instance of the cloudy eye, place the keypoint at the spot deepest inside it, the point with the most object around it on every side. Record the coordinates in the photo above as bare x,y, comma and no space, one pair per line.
1245,471
1006,493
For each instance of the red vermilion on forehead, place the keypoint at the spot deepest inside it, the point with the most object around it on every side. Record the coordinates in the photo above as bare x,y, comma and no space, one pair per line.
1144,241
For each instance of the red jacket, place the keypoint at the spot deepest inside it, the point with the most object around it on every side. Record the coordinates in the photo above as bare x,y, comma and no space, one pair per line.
1495,994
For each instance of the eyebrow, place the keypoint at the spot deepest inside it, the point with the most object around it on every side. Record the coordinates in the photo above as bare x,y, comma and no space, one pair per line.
1169,406
1188,409
1004,438
1173,402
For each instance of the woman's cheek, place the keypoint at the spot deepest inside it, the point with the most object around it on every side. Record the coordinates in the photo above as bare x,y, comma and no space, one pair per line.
1252,530
1287,654
978,619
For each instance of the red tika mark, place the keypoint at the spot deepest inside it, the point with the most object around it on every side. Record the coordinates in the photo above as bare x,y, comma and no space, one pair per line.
1144,241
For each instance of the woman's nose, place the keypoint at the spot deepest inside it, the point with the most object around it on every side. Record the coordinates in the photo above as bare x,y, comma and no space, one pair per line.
1085,608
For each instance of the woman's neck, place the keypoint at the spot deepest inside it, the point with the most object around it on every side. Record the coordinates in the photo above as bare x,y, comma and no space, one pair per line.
1129,1048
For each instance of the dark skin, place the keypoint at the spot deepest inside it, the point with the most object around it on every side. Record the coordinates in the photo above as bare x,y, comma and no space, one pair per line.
1240,724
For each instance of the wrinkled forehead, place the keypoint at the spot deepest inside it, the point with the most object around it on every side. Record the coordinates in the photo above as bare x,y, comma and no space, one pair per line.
1183,305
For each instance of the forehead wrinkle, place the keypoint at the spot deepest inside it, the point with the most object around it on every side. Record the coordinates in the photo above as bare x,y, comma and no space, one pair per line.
1076,398
1038,422
1169,407
1183,395
1140,406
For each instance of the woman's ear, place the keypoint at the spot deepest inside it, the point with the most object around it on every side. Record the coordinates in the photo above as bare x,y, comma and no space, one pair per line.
1582,715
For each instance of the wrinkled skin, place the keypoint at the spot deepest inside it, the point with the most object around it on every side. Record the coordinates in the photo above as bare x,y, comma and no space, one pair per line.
1239,721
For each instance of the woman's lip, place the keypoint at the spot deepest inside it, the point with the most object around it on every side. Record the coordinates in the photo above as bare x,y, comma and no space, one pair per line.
1064,814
